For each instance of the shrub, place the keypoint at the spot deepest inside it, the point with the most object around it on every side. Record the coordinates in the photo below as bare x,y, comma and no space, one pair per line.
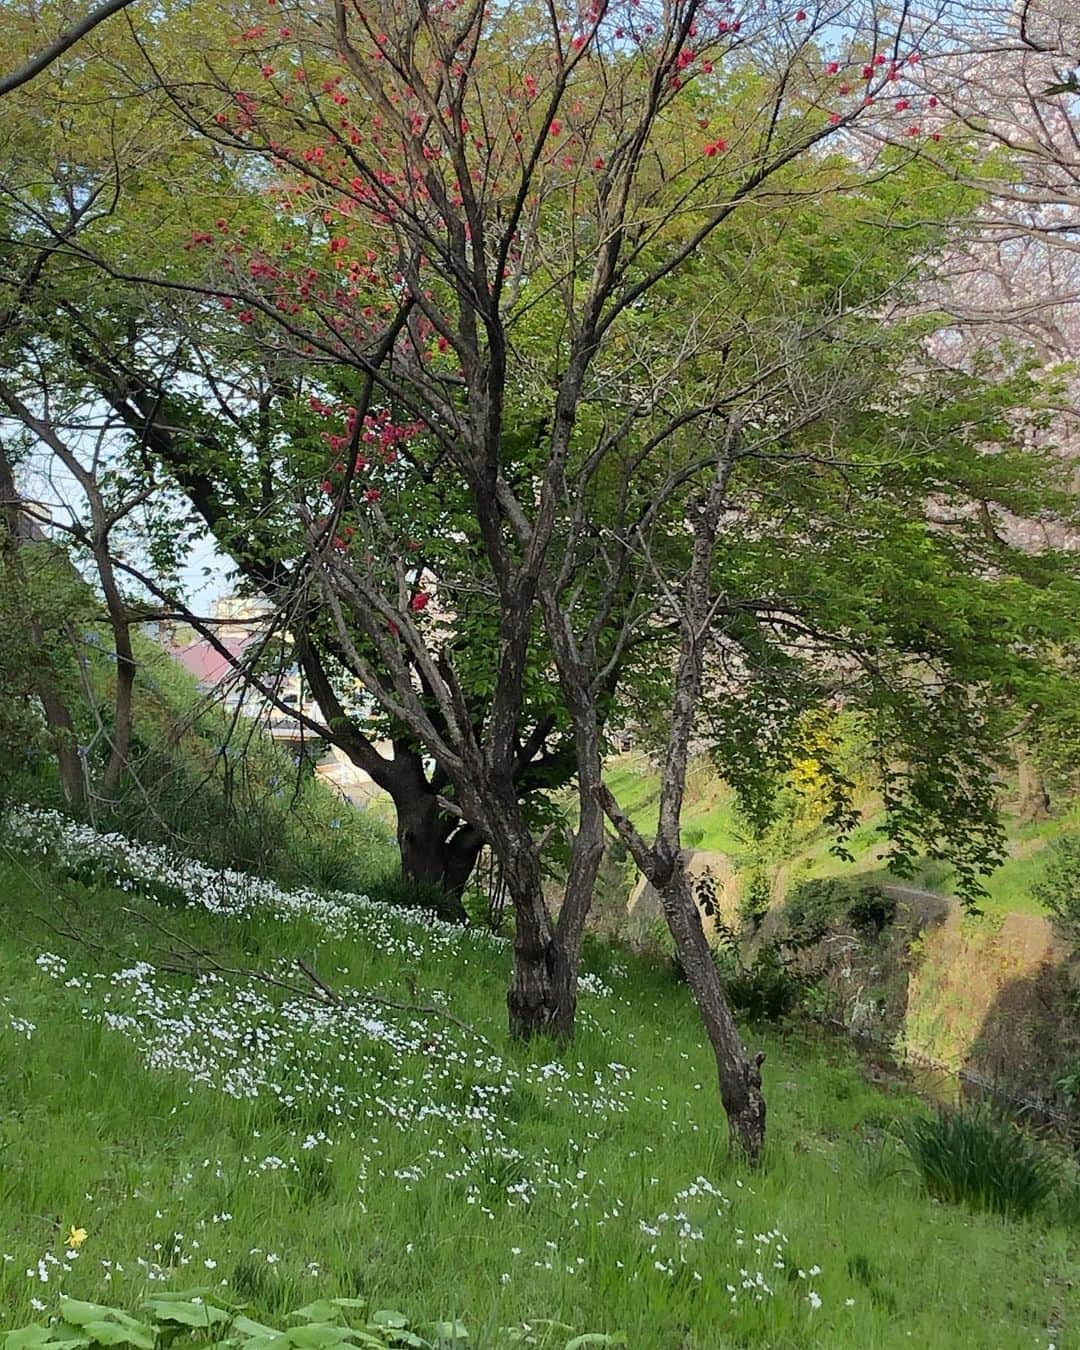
1059,889
871,910
763,990
770,985
812,906
970,1157
395,889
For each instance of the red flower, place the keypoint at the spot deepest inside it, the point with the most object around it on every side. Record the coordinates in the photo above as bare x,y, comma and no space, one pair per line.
419,601
715,148
372,495
801,16
832,68
556,126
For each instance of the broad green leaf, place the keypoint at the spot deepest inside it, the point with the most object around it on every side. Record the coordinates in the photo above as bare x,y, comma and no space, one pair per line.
322,1310
78,1313
273,1340
450,1331
595,1338
386,1317
187,1314
316,1335
28,1338
247,1327
112,1333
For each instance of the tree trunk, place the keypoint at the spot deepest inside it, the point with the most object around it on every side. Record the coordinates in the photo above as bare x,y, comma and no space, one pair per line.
542,996
1033,798
125,655
428,856
61,729
740,1076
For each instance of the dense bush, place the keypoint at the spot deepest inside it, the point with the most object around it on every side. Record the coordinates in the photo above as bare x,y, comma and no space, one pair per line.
970,1157
812,907
767,988
769,981
1059,889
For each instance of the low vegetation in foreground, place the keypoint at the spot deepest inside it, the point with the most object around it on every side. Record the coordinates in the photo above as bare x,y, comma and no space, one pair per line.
280,1099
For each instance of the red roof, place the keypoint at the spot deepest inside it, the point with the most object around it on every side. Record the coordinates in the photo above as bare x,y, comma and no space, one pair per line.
206,663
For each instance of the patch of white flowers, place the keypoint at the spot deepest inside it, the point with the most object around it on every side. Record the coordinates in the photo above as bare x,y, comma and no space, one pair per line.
375,1075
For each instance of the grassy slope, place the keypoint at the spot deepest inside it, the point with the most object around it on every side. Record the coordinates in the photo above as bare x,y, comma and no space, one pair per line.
710,823
359,1167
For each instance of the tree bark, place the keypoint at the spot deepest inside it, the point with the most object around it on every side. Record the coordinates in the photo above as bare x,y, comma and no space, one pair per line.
433,852
739,1075
1033,797
542,987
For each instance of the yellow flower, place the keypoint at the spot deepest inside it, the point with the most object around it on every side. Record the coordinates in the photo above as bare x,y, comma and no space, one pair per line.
76,1237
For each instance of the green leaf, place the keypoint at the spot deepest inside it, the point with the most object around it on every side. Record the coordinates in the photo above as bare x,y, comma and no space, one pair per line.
187,1314
247,1327
317,1334
450,1331
349,1302
322,1310
27,1338
595,1338
273,1340
386,1317
112,1333
77,1313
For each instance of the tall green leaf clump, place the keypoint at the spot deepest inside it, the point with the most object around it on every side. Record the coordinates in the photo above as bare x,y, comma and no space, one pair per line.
968,1157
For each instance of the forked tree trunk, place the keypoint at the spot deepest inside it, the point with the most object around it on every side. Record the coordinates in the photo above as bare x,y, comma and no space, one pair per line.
740,1076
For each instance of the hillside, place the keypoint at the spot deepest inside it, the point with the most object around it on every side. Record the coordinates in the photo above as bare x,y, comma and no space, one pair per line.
174,1084
711,823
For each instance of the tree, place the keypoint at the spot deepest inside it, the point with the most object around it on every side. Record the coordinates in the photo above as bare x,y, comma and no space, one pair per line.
591,282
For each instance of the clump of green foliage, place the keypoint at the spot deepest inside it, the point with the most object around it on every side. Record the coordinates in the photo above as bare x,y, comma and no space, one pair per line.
767,986
200,1317
813,906
1059,890
970,1157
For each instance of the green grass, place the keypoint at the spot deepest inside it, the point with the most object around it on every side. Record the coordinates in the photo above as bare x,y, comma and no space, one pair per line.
450,1177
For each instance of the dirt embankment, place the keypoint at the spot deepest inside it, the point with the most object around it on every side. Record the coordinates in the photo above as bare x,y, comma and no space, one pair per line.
993,999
